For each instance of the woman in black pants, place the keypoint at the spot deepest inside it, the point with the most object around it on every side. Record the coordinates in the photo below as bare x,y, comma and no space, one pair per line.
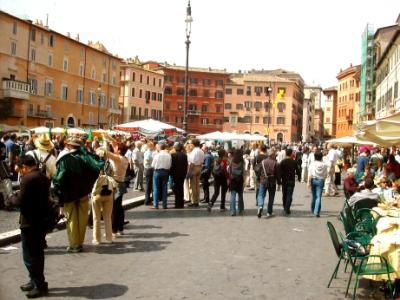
220,174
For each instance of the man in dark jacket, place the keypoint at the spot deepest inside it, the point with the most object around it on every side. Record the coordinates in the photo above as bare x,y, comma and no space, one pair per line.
178,170
77,171
288,169
33,202
206,173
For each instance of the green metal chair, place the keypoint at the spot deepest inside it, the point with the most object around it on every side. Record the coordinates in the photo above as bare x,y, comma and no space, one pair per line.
354,233
360,267
338,249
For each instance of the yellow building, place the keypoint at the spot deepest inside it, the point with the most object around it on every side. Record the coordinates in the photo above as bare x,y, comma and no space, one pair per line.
55,80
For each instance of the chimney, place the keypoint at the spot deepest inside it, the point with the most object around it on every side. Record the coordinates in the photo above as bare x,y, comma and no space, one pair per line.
77,37
68,34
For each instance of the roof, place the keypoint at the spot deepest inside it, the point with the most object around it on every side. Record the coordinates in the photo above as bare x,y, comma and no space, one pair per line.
388,47
194,69
346,72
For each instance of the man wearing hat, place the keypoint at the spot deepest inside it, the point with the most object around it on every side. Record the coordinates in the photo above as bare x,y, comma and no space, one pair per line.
43,154
77,171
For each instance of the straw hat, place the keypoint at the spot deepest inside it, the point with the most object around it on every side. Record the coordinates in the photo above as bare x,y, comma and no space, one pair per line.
43,143
75,142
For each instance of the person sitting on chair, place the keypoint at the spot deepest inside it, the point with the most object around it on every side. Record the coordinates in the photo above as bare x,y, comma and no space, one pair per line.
364,194
350,185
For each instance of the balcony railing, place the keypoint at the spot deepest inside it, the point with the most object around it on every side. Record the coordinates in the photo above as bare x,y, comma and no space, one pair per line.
193,113
15,89
42,114
115,111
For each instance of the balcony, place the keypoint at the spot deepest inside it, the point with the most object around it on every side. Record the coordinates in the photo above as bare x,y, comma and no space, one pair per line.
40,114
115,111
193,113
15,89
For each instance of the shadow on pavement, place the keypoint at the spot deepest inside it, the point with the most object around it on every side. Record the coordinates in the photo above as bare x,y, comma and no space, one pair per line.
100,291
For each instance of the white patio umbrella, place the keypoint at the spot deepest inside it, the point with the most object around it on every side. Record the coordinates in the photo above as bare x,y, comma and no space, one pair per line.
58,130
217,136
350,140
41,130
73,131
149,125
251,137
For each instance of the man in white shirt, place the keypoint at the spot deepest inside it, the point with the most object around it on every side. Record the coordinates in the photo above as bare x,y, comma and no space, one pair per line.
330,187
195,161
161,164
137,159
253,154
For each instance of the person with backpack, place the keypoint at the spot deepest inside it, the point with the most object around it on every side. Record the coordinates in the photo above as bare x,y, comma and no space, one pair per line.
33,200
236,182
220,173
270,176
77,171
258,166
45,160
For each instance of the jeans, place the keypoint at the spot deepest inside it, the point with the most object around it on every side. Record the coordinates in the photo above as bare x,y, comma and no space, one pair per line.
287,195
160,187
271,188
33,241
233,202
317,186
149,185
219,184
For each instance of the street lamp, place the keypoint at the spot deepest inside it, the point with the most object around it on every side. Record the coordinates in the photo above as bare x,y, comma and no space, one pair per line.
188,22
269,112
98,105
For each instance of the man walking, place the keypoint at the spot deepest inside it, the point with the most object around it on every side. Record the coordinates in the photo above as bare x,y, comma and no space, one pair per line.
161,164
206,173
178,171
269,178
288,169
33,202
137,159
330,187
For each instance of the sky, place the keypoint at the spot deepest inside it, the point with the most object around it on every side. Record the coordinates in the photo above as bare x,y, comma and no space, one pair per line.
315,38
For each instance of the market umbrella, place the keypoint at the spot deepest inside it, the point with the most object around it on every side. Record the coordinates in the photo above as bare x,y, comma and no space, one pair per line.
41,130
149,126
350,140
58,130
218,136
74,131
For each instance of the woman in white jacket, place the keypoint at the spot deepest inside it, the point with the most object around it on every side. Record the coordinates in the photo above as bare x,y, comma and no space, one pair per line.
317,173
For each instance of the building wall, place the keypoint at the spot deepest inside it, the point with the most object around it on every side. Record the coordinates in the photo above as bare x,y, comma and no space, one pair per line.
330,111
308,120
247,111
348,96
388,78
205,110
141,92
318,125
43,55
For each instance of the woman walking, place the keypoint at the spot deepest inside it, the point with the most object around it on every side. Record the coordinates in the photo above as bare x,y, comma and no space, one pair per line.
220,174
236,174
317,173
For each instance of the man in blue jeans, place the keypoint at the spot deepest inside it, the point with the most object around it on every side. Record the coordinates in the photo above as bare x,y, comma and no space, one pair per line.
161,164
288,169
269,177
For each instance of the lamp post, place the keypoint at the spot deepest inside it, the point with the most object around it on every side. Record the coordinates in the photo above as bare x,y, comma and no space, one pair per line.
98,105
269,112
188,22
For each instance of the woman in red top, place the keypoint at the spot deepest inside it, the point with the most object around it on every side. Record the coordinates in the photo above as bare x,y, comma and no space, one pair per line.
393,168
221,175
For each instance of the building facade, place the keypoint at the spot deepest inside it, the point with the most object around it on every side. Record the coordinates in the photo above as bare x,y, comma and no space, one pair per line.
330,112
318,125
49,79
141,92
308,120
387,42
348,96
269,103
206,92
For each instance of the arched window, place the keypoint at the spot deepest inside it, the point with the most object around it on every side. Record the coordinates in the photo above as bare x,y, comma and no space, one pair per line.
71,122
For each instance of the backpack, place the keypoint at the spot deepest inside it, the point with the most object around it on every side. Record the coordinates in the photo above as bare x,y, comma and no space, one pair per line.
41,165
218,170
236,171
258,168
52,216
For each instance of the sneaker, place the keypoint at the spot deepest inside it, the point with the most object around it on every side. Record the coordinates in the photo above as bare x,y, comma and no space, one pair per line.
27,287
259,212
233,214
96,243
74,249
269,215
222,209
36,293
326,195
108,242
119,233
193,205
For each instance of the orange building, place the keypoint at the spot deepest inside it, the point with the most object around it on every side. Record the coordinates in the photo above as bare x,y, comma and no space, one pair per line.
54,80
348,96
269,103
205,108
330,112
141,91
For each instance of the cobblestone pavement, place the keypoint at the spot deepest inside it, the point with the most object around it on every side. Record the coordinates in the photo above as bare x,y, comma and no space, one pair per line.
193,254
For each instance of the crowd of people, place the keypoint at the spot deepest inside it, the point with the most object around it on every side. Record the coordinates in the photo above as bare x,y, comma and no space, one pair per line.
94,175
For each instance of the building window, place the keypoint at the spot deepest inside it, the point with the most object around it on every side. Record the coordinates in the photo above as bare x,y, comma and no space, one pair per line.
204,108
248,91
168,78
248,105
192,107
51,40
92,98
133,76
258,90
328,120
33,34
228,91
33,85
206,82
81,69
246,119
50,60
147,80
13,48
113,64
193,93
104,77
219,94
141,78
146,112
48,88
154,96
140,93
281,106
180,91
219,82
168,90
204,121
93,73
239,92
218,108
257,119
180,106
147,96
14,30
233,120
239,106
266,120
228,106
79,95
65,64
159,97
206,93
133,112
114,80
280,120
64,92
159,82
133,92
42,38
33,54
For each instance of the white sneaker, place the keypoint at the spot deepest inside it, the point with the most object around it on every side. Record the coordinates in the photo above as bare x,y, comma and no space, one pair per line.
270,215
96,243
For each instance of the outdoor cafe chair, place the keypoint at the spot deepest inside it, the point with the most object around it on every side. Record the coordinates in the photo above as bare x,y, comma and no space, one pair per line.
338,249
